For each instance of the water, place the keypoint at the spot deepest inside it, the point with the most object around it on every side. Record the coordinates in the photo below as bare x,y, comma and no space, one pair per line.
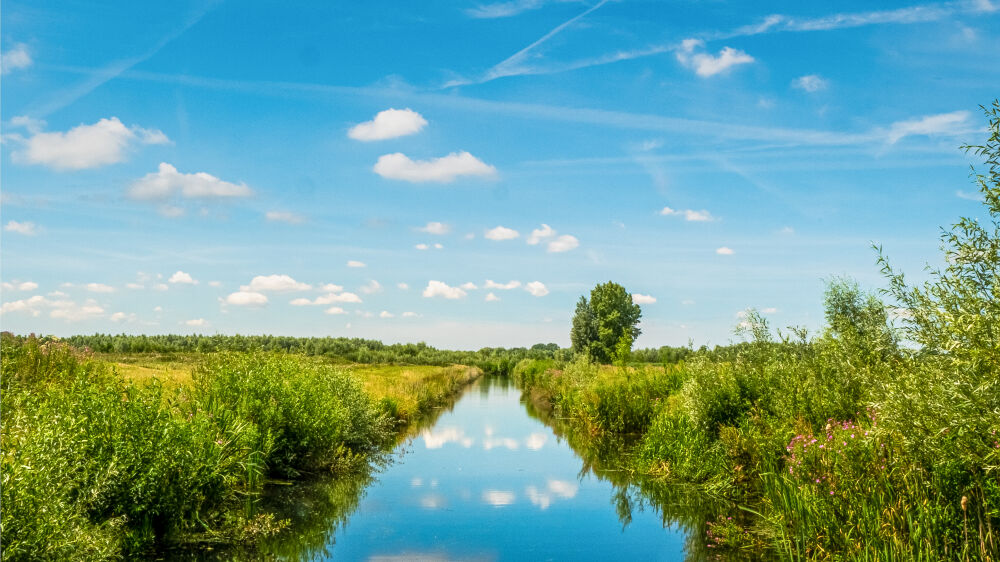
489,482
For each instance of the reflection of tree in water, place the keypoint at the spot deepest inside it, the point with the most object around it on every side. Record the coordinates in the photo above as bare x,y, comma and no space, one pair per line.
315,508
680,506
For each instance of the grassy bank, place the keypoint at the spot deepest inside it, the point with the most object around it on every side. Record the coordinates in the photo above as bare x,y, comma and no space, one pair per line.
110,456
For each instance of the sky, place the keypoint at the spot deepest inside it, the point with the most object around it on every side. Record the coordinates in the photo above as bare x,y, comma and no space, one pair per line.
461,172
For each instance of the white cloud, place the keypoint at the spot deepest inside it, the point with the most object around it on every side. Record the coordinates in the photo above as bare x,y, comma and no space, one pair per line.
769,310
469,286
969,196
23,286
275,283
505,9
501,233
167,182
409,314
284,216
538,234
422,246
639,298
810,83
490,297
85,146
536,288
15,58
941,124
491,284
328,299
181,278
62,309
403,286
331,288
26,228
335,310
371,287
215,283
438,246
536,441
706,65
246,298
688,214
161,287
435,228
786,230
563,243
498,498
355,263
386,314
171,211
196,322
724,251
398,166
123,317
439,289
388,124
99,288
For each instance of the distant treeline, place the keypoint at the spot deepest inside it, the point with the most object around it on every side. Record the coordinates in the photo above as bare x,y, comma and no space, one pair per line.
356,350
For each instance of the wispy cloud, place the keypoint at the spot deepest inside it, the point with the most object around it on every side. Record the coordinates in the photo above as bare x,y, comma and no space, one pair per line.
508,9
956,122
15,58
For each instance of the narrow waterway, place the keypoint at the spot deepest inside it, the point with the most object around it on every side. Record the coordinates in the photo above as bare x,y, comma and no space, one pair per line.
489,482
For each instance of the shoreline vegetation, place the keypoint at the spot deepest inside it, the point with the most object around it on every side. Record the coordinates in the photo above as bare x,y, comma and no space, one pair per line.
874,439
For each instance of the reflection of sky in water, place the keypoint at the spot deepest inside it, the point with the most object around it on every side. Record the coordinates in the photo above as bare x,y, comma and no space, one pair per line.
488,482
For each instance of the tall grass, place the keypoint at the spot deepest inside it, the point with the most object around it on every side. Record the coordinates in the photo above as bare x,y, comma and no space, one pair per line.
96,466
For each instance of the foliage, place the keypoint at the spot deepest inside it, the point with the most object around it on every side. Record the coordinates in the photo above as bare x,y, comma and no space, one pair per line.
606,326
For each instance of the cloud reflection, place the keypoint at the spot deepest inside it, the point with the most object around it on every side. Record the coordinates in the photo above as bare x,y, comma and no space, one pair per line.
439,438
498,498
536,441
555,488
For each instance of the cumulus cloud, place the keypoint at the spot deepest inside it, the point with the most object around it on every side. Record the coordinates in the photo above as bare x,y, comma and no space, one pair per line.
371,287
275,283
335,310
388,124
85,146
123,317
246,298
15,58
284,216
26,228
182,278
491,284
941,124
398,166
99,288
196,322
810,83
563,243
331,288
688,214
422,246
438,228
490,297
409,314
724,251
386,314
440,289
19,286
536,288
706,65
355,263
167,182
469,286
329,298
64,309
639,298
403,286
539,234
502,233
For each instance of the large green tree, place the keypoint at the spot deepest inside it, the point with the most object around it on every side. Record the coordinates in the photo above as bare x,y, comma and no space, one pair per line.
608,321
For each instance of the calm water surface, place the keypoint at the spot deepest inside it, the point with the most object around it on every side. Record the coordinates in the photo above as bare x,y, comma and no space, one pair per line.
489,482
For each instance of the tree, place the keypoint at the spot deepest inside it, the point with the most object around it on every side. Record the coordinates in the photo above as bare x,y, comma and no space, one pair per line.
606,325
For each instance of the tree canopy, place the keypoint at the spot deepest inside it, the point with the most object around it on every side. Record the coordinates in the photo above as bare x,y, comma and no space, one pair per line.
609,321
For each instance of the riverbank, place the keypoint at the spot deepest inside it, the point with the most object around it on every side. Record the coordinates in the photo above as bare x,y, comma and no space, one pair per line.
845,446
106,456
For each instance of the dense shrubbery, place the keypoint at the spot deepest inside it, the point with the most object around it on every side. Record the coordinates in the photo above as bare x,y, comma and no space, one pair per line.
94,466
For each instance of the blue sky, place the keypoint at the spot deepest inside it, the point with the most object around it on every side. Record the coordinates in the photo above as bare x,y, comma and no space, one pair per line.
460,173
